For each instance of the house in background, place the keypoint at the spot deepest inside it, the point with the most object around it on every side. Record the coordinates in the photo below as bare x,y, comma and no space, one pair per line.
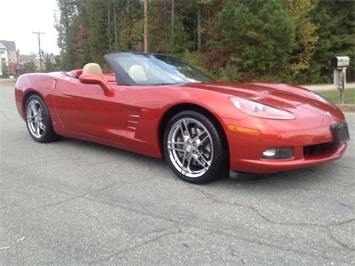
8,55
16,63
24,59
28,58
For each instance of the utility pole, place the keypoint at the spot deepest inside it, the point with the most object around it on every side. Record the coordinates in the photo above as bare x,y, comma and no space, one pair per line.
39,47
172,23
18,62
146,26
115,24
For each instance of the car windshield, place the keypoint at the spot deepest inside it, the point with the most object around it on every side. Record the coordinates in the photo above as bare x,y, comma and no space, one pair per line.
155,69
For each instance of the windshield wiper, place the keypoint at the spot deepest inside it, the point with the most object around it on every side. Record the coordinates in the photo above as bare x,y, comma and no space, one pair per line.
163,84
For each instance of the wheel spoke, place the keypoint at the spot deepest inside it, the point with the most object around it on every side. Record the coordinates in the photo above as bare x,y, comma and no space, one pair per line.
201,142
176,143
42,126
185,129
176,149
31,119
33,108
202,164
40,112
187,168
199,134
37,129
201,159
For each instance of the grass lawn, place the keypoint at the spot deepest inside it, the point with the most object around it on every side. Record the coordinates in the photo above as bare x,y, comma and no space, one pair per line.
333,95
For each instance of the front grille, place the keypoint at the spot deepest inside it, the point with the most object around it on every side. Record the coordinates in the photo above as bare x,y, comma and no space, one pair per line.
317,149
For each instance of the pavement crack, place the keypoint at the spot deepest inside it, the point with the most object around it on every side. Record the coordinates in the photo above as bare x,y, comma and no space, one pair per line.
83,196
46,162
175,224
135,246
152,165
233,253
336,240
262,216
267,219
344,222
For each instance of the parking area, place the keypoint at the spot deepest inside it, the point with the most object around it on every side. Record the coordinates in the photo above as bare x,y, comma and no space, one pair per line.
77,203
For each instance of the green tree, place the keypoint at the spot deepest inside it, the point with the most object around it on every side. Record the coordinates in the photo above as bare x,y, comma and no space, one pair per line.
236,40
98,37
181,41
159,26
66,32
57,62
257,36
80,36
306,38
29,67
49,66
131,26
336,33
82,47
4,69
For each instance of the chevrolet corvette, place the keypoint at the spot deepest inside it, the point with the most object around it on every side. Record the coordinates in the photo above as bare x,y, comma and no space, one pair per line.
156,105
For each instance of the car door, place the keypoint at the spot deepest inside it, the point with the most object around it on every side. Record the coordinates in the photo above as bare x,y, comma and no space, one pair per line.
85,109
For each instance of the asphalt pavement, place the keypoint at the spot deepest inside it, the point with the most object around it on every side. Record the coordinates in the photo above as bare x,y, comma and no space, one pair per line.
76,203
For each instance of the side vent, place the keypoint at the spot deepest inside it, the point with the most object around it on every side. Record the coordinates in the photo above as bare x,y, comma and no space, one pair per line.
133,121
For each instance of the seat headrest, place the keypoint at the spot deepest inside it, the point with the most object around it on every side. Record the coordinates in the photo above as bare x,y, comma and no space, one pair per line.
93,68
137,73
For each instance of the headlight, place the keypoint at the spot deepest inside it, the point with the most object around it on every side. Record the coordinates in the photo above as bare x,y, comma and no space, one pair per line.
260,110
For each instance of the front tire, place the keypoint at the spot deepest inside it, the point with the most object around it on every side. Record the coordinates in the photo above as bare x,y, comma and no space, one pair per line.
38,120
194,148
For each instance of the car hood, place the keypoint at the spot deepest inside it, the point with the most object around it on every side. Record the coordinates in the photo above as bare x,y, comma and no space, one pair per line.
279,95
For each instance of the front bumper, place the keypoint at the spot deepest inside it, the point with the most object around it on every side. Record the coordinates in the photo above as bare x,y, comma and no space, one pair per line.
311,145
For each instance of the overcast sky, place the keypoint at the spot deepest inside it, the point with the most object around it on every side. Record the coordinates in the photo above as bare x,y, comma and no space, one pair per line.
19,18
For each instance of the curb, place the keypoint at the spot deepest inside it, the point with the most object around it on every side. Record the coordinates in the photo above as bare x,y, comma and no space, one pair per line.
321,87
346,108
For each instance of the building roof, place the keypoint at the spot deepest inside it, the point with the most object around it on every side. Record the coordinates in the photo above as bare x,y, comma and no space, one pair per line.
27,58
10,45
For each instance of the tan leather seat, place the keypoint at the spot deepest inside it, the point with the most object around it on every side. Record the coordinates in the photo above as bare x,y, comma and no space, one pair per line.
93,68
137,73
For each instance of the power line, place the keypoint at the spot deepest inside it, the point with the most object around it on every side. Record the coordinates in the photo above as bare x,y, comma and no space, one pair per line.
39,47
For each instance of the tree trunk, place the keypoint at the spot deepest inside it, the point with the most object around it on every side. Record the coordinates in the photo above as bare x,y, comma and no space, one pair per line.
199,28
146,26
172,21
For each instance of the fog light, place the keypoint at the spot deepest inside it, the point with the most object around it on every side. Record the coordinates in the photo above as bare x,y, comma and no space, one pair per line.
269,153
277,153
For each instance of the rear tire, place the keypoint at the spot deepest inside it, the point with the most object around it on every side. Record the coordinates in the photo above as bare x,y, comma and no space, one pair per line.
38,120
194,148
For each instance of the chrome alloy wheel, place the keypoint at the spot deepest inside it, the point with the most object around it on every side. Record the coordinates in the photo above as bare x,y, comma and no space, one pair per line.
190,147
36,119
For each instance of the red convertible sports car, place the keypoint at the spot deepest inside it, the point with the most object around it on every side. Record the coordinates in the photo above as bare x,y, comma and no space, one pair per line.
156,105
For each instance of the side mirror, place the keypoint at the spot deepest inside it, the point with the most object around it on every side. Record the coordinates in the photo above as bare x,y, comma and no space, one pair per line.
96,79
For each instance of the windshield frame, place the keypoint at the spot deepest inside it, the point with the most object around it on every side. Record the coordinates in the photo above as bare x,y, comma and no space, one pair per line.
160,69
